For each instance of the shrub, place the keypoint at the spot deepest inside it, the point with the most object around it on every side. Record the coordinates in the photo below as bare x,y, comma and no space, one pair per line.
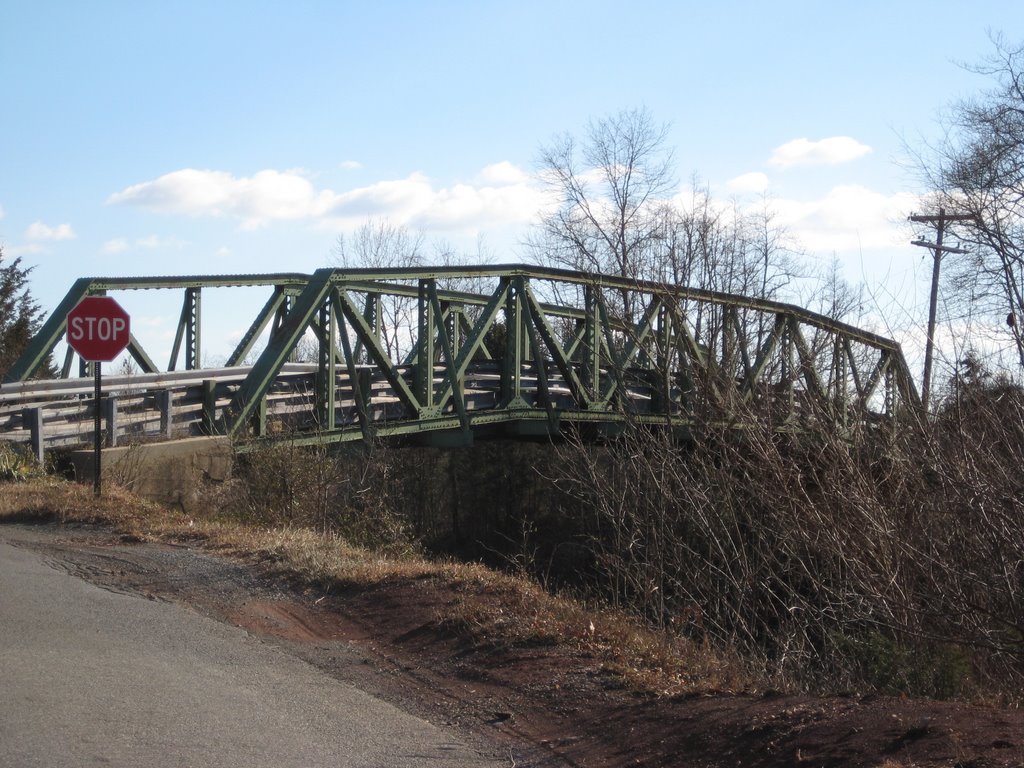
18,464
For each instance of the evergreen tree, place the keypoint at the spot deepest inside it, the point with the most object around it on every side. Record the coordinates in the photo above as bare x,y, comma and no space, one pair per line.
20,315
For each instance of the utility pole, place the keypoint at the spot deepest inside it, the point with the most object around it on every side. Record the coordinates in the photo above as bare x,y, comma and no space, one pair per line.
938,249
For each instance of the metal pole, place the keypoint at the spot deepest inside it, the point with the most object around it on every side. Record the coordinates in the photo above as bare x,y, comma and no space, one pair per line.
926,386
97,451
937,249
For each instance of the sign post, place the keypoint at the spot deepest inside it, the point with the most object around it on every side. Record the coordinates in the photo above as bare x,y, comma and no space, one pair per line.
98,330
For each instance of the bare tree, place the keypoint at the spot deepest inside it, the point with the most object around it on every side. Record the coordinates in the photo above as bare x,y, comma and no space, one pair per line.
608,195
978,169
381,244
615,211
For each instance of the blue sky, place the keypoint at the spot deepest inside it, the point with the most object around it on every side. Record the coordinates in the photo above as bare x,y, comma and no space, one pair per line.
197,137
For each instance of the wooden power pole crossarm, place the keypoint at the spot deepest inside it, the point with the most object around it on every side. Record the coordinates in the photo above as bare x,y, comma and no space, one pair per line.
940,221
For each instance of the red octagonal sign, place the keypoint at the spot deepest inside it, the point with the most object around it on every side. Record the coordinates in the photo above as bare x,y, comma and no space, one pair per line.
98,329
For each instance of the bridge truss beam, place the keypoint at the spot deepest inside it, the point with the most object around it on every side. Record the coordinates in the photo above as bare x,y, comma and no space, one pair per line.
458,350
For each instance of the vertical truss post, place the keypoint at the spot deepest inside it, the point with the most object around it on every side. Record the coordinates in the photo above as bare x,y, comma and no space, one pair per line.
515,337
526,351
591,347
729,343
646,345
188,329
788,372
326,372
890,389
373,314
841,373
454,319
427,337
194,334
662,362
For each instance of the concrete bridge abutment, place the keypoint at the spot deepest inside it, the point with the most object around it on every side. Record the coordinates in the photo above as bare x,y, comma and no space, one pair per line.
171,473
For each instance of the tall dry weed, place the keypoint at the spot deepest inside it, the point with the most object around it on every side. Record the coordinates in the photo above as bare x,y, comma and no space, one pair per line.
891,562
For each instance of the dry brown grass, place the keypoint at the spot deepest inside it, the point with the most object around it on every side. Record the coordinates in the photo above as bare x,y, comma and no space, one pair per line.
490,607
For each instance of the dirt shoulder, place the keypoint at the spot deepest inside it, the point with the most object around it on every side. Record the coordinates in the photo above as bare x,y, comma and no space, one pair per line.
550,702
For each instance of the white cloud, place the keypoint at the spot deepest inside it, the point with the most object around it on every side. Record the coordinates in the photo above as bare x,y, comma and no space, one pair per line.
117,245
830,151
150,242
222,252
502,194
155,241
503,173
257,199
22,250
350,165
398,199
39,231
1,212
847,218
749,182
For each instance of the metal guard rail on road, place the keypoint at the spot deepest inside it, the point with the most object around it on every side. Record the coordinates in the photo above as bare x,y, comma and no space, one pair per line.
525,347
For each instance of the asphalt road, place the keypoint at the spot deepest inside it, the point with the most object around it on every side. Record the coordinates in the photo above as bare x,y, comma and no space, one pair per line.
93,677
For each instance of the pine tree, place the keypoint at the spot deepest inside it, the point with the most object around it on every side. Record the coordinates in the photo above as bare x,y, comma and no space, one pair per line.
20,315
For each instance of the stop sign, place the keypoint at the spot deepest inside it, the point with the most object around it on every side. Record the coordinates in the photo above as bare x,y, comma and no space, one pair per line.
98,329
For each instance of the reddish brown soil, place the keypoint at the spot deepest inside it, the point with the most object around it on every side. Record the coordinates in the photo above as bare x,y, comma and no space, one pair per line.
548,705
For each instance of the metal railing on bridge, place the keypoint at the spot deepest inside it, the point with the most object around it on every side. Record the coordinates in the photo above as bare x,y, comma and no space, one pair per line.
456,351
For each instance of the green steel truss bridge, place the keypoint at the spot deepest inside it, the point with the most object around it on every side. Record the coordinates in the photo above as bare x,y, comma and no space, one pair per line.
450,353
